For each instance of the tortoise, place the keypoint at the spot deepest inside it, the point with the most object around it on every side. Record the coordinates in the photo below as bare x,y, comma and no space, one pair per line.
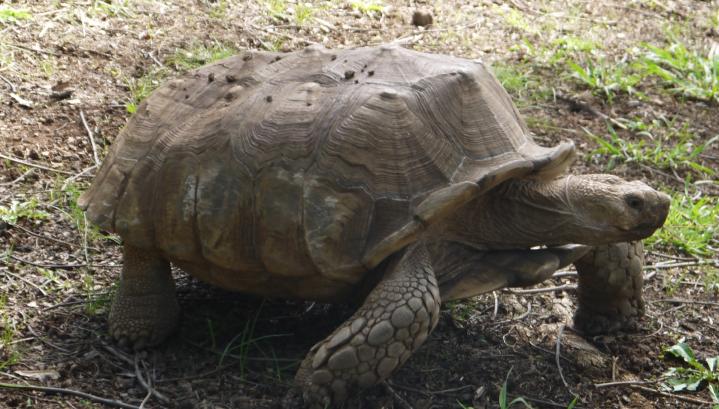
404,178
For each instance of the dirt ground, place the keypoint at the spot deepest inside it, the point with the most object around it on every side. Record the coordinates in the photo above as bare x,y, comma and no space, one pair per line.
70,72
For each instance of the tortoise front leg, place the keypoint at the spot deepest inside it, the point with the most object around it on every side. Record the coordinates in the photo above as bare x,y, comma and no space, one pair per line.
145,310
610,288
394,320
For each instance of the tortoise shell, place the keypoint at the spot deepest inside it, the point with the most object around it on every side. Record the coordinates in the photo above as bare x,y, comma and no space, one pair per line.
296,174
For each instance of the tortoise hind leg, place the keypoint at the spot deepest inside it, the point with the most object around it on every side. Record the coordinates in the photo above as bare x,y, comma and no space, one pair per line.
610,288
145,310
394,320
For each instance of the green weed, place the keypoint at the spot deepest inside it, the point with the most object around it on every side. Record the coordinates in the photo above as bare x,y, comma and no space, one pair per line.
674,147
691,226
22,210
303,13
520,82
197,56
8,355
606,79
277,9
111,8
372,8
684,72
140,88
503,404
11,15
218,10
695,374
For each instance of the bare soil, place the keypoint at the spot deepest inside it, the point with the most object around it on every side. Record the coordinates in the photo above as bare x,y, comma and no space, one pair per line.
73,60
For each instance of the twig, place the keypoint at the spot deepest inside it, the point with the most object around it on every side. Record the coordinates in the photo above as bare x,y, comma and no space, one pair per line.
62,266
681,264
397,397
671,395
557,354
91,138
664,255
562,274
77,176
496,305
34,165
35,50
10,84
46,342
28,282
619,383
685,301
41,236
518,318
19,178
63,391
148,387
566,287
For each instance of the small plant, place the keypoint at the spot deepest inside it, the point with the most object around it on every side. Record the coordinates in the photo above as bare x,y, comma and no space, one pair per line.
111,8
691,225
503,404
694,376
11,15
684,72
303,13
141,88
197,56
21,210
675,148
372,8
606,79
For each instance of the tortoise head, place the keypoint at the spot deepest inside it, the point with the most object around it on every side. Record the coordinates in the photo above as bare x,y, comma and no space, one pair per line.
605,208
585,209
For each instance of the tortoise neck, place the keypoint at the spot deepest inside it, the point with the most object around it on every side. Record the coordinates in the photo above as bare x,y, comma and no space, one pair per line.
517,214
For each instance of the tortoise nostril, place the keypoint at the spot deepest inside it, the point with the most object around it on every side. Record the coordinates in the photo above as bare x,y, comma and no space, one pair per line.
635,202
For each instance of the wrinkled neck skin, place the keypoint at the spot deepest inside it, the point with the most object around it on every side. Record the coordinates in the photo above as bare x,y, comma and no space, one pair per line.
520,214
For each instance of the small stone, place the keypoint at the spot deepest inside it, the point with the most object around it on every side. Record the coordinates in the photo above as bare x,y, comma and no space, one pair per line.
402,317
349,74
334,57
343,359
370,73
380,333
422,18
269,98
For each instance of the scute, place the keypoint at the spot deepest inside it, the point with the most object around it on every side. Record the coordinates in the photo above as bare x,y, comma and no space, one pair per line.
285,166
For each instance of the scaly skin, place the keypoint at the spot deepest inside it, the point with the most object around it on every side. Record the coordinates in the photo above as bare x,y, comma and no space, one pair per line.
145,310
395,319
610,288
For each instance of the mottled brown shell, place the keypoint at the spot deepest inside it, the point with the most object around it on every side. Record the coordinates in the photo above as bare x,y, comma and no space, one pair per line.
310,167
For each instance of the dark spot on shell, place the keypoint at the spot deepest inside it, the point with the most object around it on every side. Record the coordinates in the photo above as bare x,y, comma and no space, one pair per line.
269,98
334,57
356,81
211,77
349,74
309,104
246,57
345,61
279,57
370,73
187,96
364,66
230,78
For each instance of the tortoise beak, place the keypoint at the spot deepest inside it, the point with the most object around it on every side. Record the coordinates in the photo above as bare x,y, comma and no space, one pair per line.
651,209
